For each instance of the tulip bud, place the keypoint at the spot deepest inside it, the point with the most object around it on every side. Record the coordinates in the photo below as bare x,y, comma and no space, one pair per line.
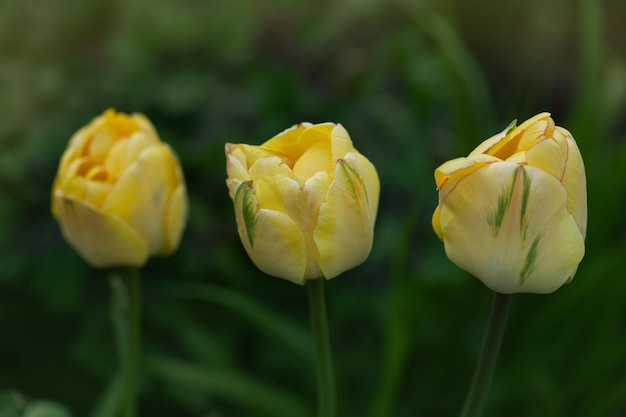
514,212
305,202
119,194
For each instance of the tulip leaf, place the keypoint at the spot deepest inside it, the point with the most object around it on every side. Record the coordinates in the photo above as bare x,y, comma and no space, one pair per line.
44,408
258,397
11,403
254,312
110,400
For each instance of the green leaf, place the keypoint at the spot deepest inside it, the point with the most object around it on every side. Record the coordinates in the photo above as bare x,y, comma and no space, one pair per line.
119,313
45,408
11,403
260,316
110,402
258,397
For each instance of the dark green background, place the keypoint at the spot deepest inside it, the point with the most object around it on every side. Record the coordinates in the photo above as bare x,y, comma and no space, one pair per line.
415,83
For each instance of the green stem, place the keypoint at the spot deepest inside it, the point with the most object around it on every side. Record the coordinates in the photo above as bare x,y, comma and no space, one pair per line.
327,403
133,341
481,382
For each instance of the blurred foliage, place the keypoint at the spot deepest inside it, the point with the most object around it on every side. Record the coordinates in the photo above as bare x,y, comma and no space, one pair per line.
415,83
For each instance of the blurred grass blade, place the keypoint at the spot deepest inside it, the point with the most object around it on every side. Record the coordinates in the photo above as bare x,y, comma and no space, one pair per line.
119,313
472,99
258,397
399,333
11,403
109,403
257,314
588,119
45,408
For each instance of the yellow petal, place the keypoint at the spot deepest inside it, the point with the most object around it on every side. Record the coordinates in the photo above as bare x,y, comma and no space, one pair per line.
275,190
236,167
547,155
449,168
508,225
575,183
125,152
275,187
146,127
96,192
287,141
451,172
345,227
370,179
506,143
315,159
535,132
294,142
313,195
103,241
142,192
436,221
340,142
273,241
176,219
484,147
100,144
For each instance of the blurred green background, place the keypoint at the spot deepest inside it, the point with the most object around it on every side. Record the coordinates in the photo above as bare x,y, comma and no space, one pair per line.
415,83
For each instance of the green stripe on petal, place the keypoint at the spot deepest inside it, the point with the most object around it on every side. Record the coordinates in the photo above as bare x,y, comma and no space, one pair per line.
530,261
360,193
525,195
344,231
496,215
246,206
543,260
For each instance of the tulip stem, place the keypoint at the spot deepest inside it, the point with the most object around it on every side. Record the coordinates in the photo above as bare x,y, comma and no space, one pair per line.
483,374
327,403
133,341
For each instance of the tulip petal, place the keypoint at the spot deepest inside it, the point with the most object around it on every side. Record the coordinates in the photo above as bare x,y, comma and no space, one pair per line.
315,159
340,142
272,240
344,231
370,180
102,240
453,171
142,192
237,162
506,143
436,221
286,141
275,187
294,142
125,151
547,155
175,220
275,190
146,126
575,182
508,225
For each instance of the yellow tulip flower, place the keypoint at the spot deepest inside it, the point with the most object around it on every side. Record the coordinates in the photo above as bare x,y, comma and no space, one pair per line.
119,194
305,202
514,212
